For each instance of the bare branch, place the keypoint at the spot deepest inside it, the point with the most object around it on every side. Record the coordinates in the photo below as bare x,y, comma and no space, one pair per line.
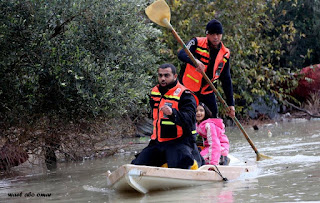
301,109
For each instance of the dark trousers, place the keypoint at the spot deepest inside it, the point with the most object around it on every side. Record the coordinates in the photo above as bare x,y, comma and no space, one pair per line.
179,153
210,101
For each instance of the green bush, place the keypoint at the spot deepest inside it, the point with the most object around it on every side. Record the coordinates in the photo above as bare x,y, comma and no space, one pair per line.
75,58
80,58
259,44
304,18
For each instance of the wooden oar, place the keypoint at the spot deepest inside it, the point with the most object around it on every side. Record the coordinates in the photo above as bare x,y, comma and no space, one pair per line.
159,12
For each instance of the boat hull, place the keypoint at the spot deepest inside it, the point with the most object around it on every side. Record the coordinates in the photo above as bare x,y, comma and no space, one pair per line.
146,178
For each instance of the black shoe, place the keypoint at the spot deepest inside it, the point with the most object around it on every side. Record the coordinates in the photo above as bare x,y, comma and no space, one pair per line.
224,160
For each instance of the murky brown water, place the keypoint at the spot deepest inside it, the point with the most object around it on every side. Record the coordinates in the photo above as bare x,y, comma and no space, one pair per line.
292,175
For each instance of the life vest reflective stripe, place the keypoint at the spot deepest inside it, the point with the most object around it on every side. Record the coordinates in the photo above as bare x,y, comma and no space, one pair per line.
156,93
167,123
192,79
204,53
163,128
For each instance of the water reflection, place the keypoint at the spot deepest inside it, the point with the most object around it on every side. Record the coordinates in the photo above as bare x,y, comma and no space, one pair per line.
291,175
216,192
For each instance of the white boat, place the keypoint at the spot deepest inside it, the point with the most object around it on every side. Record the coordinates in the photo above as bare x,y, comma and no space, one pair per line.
147,178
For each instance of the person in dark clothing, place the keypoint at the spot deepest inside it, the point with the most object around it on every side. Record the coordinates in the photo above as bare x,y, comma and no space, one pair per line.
173,141
213,58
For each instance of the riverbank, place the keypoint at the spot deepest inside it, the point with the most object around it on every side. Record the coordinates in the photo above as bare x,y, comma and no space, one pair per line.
50,141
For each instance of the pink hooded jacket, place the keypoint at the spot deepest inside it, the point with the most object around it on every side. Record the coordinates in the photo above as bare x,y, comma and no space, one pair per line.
216,143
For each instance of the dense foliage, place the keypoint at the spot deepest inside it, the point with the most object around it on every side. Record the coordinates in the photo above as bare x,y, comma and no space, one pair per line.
269,42
75,58
304,17
81,58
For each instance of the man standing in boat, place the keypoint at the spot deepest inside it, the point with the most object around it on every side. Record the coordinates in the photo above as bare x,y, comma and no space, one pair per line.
212,57
174,124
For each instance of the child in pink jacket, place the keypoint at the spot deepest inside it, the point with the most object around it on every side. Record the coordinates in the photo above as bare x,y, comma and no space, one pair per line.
215,142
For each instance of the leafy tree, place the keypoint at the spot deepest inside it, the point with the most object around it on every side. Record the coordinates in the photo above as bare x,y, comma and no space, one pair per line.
80,58
75,58
255,51
304,17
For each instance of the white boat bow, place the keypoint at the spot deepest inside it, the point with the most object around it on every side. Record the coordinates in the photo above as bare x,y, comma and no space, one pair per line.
147,178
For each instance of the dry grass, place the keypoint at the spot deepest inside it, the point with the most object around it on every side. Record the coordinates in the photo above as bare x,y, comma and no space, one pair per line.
313,104
70,141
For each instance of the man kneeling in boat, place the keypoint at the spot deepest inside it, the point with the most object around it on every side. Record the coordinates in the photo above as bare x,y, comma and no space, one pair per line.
174,124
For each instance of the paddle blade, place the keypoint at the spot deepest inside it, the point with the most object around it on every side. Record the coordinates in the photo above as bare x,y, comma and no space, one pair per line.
261,157
158,11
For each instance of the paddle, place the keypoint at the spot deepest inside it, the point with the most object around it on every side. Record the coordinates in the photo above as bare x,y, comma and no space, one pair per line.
159,12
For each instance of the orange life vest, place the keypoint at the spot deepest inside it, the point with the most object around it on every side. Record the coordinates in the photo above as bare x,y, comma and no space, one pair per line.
163,128
192,79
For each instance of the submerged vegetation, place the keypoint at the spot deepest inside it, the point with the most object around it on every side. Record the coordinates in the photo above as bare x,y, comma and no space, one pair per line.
64,64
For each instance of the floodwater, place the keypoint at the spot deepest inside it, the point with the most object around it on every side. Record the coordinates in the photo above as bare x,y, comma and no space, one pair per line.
292,175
